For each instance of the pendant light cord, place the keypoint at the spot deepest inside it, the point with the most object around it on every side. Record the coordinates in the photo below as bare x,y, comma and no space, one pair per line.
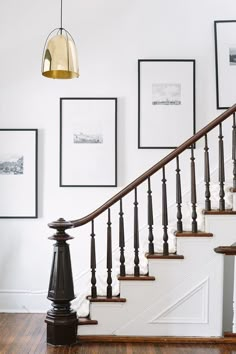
61,17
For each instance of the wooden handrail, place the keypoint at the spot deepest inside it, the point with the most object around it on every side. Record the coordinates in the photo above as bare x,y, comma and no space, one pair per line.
145,175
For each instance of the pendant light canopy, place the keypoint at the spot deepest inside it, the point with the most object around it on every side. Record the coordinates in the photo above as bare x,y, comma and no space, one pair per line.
60,59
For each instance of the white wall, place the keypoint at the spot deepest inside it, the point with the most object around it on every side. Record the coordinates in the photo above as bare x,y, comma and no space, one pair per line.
111,36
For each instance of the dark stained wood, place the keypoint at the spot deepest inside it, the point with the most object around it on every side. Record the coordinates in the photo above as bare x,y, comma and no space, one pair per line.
26,333
178,197
234,151
193,234
221,170
227,250
106,299
109,256
122,240
93,263
86,321
207,175
189,142
139,278
136,235
230,334
164,214
219,212
61,320
232,190
161,256
157,339
193,192
150,219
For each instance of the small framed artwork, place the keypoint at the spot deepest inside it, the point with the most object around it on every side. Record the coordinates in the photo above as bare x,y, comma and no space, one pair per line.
225,59
88,142
166,102
18,173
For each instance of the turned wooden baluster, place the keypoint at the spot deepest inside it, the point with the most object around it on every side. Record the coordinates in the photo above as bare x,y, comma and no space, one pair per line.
178,197
193,192
234,151
109,256
164,215
207,178
122,241
136,236
221,170
93,264
150,219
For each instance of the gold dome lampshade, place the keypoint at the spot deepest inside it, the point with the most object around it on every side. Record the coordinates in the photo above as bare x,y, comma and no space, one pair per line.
60,59
60,55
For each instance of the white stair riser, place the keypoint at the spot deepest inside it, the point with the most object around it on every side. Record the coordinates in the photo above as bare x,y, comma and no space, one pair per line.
186,299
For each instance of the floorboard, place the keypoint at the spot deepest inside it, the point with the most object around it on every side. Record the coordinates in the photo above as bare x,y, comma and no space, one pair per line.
26,334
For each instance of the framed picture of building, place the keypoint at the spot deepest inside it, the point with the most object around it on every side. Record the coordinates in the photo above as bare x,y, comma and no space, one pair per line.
88,142
225,62
18,173
166,102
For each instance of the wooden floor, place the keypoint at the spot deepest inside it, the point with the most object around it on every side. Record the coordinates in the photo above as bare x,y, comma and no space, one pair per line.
26,333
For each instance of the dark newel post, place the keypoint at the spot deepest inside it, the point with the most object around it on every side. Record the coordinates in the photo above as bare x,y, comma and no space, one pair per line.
221,170
61,320
234,151
109,256
193,192
178,197
122,241
93,263
150,219
136,236
207,176
164,215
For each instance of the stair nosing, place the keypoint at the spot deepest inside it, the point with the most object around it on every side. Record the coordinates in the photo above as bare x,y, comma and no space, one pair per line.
86,321
105,299
193,234
130,277
219,212
161,256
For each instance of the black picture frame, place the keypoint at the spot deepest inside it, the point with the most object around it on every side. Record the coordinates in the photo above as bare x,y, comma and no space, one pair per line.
93,123
19,173
225,63
173,78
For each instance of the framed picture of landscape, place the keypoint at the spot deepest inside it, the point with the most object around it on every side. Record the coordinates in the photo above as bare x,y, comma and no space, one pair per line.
18,173
166,102
88,142
225,60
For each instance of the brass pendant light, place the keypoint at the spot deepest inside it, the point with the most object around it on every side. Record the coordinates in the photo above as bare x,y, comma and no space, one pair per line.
60,59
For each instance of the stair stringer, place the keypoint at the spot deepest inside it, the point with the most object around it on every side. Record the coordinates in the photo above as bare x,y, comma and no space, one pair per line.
177,286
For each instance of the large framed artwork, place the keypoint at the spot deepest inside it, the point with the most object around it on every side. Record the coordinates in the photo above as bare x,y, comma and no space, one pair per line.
88,142
18,173
166,102
225,59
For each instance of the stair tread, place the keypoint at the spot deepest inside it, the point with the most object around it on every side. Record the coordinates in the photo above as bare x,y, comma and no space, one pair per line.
219,212
133,277
86,321
161,256
106,299
227,250
193,234
233,190
229,334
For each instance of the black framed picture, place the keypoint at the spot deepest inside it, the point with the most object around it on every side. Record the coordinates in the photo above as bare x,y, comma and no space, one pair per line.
18,173
225,61
166,102
88,142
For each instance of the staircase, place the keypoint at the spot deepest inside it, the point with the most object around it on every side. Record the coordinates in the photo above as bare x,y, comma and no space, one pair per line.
182,293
